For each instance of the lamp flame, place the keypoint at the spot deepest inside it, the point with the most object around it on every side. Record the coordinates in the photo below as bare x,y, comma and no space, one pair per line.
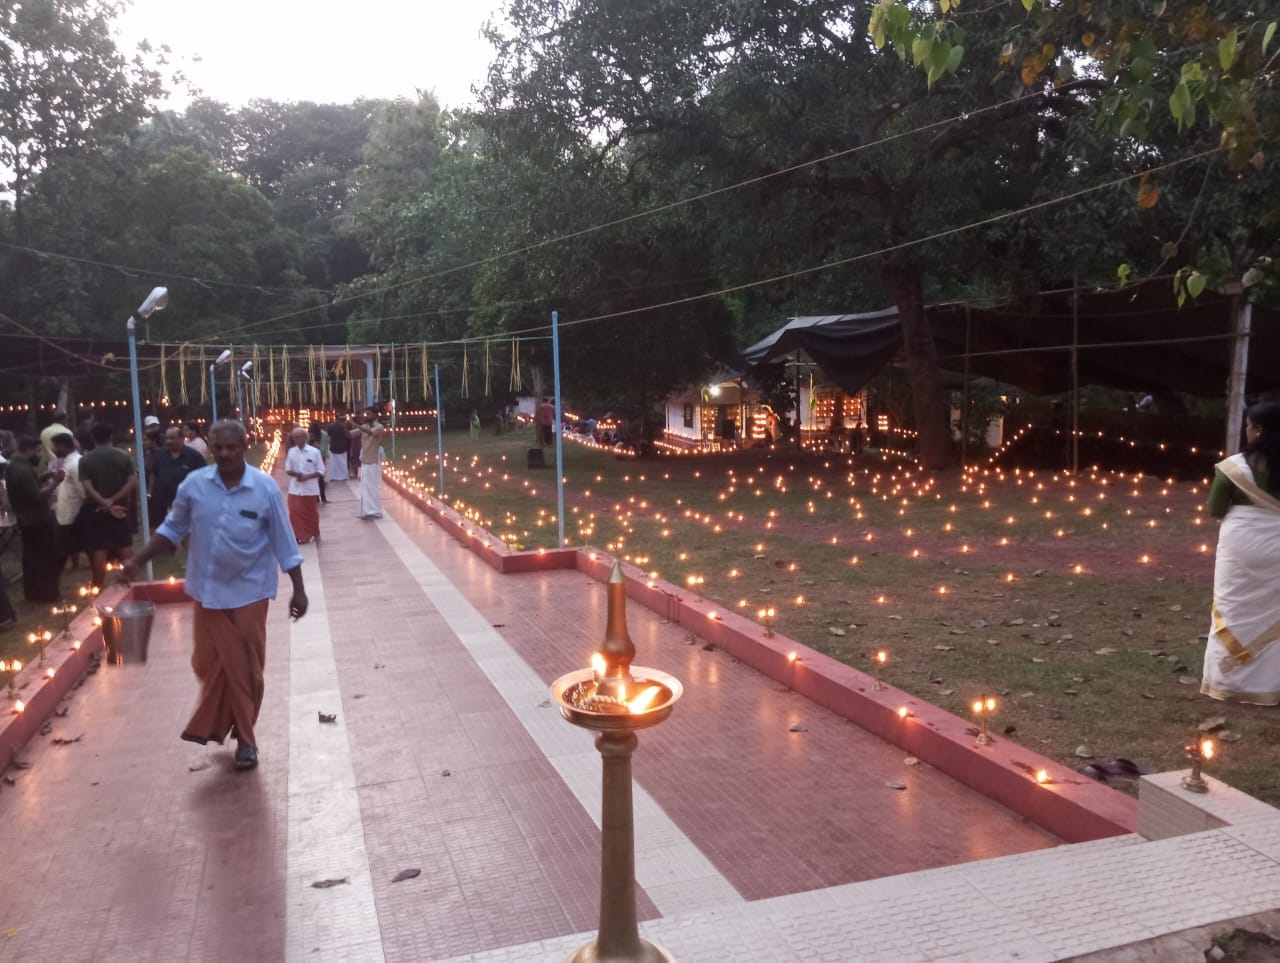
644,699
598,665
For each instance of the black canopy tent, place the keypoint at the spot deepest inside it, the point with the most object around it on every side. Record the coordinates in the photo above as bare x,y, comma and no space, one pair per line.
1136,339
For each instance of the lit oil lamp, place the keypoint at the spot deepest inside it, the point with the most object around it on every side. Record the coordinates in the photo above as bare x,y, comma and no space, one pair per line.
12,667
41,637
766,616
614,699
982,707
879,659
65,610
1199,753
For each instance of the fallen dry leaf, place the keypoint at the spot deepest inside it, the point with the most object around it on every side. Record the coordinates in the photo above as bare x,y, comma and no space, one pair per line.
329,883
1105,651
1188,679
993,641
835,631
798,728
1229,735
1084,752
943,648
328,719
911,761
404,874
1215,722
892,784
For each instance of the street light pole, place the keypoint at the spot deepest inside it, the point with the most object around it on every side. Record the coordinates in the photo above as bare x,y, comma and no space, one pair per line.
213,383
157,300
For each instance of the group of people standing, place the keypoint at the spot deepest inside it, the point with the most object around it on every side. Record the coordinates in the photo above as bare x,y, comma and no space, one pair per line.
325,453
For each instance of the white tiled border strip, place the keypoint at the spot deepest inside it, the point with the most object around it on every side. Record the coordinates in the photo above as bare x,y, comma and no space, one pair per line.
673,871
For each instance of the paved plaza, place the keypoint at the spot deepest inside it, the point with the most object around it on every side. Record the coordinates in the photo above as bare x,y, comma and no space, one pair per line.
447,812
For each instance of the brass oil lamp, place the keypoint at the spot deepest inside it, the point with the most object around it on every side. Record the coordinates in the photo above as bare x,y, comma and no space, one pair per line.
615,699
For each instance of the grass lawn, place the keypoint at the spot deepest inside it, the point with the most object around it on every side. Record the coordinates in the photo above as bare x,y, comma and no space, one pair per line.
1081,603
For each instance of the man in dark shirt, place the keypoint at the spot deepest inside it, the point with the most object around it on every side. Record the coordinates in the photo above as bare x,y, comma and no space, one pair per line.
29,498
173,463
339,445
110,482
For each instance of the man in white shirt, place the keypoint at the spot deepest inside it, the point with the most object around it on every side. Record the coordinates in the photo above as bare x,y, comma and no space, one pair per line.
305,467
69,495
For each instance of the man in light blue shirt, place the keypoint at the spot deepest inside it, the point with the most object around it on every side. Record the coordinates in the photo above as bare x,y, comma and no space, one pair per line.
239,529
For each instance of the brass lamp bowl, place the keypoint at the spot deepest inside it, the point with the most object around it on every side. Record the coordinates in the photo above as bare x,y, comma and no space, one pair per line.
656,712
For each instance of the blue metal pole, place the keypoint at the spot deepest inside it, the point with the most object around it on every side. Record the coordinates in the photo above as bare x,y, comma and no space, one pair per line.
137,437
440,431
559,425
213,394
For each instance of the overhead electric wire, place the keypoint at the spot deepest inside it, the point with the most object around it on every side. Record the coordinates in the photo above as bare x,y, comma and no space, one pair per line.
669,206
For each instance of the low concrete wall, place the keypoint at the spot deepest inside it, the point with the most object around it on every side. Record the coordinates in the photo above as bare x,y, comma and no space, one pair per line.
1071,806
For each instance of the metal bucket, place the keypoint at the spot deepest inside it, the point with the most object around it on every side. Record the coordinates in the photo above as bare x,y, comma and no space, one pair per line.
127,631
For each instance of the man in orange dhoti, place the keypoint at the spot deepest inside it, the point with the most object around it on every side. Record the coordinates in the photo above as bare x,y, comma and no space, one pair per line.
305,467
239,532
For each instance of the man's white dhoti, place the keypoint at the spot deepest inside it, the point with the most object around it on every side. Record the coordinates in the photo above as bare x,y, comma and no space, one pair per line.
338,466
370,491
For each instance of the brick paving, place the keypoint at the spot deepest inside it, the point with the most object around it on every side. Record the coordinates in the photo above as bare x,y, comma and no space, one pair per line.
755,842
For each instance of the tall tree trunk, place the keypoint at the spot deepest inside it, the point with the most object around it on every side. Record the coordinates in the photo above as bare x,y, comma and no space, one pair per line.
922,369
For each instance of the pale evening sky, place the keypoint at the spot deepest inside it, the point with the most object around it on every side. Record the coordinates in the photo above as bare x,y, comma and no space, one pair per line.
328,51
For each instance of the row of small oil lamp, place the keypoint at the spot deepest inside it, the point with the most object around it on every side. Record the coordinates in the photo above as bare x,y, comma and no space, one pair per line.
41,637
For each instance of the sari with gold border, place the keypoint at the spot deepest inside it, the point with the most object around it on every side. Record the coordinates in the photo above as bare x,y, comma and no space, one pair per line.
1242,659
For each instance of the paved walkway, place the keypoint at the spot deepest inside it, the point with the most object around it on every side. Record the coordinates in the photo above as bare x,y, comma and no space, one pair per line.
755,842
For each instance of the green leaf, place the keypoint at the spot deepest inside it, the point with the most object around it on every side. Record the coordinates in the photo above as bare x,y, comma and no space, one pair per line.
1028,4
920,49
1196,283
1227,50
1122,272
1192,72
1251,277
1266,37
1141,68
954,58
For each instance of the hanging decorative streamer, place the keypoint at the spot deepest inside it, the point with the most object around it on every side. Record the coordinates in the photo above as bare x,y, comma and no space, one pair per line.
517,382
271,376
326,383
284,376
182,373
377,373
347,368
204,382
407,387
426,373
257,378
311,372
488,388
466,373
391,373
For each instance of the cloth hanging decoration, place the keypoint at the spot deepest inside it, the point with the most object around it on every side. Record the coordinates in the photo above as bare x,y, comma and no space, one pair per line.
377,374
271,376
204,382
488,387
256,378
391,373
311,371
182,373
407,387
426,373
284,376
347,367
466,373
516,381
164,379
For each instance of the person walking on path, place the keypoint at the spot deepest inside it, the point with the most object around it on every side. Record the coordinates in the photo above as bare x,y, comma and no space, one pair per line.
29,499
69,497
305,468
1242,657
339,445
368,435
547,420
110,482
319,440
239,531
174,463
